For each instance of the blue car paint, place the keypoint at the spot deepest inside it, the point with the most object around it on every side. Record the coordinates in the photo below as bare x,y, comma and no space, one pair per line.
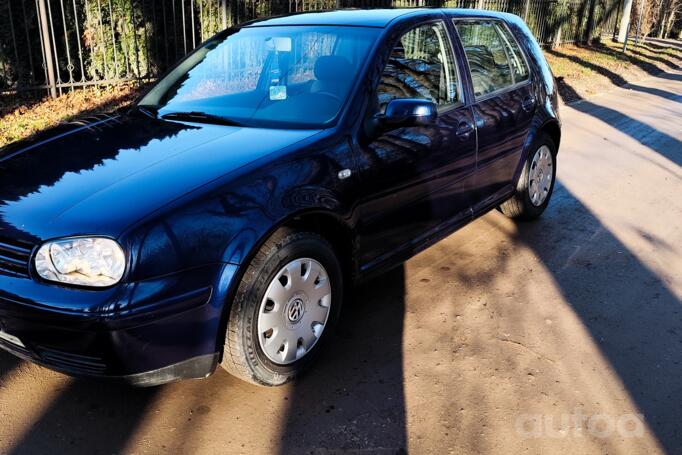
190,204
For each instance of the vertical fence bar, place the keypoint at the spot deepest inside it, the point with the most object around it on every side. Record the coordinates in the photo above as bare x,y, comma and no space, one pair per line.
14,41
54,48
165,29
125,47
175,32
42,44
78,40
69,64
113,39
194,35
103,45
47,45
146,42
184,25
155,31
135,42
28,43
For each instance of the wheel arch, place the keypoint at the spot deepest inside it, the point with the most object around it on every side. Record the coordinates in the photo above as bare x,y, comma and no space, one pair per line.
333,229
552,129
322,222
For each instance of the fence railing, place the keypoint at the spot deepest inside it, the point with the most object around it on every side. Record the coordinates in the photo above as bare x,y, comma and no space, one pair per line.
58,45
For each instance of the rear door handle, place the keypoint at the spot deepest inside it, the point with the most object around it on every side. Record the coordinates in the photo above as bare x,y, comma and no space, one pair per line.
464,130
528,103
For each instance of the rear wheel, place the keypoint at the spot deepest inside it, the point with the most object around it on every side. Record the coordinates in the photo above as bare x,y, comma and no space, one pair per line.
285,309
536,183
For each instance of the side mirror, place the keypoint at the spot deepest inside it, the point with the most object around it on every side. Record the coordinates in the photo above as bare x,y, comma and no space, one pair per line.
404,112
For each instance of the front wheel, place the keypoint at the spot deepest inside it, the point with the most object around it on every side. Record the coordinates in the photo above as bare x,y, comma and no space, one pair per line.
286,306
536,183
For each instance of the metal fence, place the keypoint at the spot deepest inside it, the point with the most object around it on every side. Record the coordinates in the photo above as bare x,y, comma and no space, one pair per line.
57,45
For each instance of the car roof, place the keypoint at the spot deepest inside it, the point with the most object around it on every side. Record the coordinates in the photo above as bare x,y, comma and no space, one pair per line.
363,17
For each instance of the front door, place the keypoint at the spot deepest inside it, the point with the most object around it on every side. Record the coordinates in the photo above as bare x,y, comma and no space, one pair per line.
418,178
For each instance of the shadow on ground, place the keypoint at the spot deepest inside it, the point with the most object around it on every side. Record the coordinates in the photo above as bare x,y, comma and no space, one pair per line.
358,381
353,399
87,416
569,94
636,327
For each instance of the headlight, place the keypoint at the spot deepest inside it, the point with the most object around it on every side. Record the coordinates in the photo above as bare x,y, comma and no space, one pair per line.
85,261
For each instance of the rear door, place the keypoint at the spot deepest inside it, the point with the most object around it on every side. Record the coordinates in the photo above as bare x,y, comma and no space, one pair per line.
503,107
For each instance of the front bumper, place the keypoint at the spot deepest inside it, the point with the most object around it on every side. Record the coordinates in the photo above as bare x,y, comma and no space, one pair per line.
145,333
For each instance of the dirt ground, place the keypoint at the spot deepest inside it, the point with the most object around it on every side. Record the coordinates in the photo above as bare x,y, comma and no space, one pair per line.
558,336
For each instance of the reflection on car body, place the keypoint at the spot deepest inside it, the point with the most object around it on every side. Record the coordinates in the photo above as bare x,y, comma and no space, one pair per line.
220,218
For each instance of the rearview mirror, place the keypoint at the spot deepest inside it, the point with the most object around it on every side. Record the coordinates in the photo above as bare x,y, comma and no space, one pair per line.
404,112
278,43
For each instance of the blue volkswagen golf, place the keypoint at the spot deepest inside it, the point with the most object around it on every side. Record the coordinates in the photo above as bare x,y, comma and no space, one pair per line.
219,220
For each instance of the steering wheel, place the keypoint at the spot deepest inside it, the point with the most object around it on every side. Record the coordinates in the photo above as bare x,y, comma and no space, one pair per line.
330,95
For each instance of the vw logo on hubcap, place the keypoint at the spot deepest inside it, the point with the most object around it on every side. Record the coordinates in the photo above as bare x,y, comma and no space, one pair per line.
295,310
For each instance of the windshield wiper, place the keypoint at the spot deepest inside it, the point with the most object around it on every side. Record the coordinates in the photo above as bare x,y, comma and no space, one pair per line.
200,117
148,110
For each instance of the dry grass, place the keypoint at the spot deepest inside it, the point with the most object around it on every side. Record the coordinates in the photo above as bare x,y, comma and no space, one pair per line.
22,117
582,71
585,71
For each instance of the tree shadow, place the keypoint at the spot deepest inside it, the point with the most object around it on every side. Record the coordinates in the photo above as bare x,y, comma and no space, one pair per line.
8,363
88,416
662,143
657,49
569,94
354,398
672,64
647,67
663,43
636,327
9,103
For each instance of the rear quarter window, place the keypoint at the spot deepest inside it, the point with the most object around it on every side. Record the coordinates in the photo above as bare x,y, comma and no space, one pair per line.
516,58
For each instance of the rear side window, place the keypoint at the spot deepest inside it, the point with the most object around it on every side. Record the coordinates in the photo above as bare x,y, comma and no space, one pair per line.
495,60
421,65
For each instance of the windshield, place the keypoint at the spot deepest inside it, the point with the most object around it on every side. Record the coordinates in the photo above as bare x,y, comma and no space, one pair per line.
286,77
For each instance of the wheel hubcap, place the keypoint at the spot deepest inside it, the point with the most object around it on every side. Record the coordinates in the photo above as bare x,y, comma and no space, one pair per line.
540,175
294,311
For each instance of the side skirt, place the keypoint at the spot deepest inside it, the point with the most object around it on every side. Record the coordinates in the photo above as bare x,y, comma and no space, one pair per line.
402,254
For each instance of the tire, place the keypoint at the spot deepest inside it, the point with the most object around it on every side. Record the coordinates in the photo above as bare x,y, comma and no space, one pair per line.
249,354
521,205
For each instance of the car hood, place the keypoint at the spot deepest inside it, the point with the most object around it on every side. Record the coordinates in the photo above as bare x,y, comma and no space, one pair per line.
100,175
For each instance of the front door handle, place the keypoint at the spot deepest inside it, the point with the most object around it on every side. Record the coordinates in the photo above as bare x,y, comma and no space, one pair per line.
528,103
464,130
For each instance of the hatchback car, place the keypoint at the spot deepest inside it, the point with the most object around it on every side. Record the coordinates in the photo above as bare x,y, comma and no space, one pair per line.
219,220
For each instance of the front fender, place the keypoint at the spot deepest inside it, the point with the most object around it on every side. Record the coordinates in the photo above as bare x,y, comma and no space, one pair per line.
227,221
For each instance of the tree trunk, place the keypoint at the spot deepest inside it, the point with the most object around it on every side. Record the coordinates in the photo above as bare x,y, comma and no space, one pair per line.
661,18
624,21
669,24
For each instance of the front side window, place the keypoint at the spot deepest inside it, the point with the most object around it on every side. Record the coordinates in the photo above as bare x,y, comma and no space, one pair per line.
421,65
488,56
289,76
